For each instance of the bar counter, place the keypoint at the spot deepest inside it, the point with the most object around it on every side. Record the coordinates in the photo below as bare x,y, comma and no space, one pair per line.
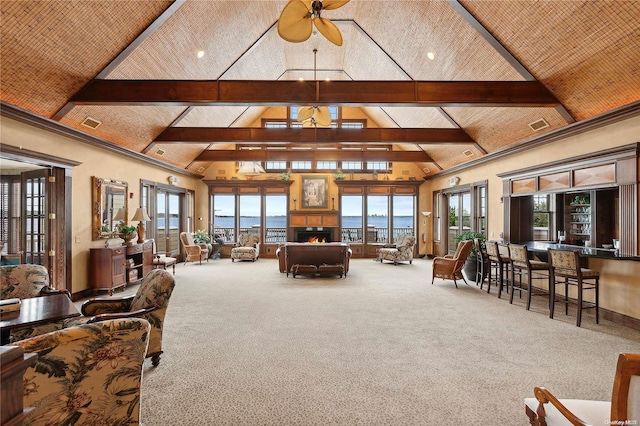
611,254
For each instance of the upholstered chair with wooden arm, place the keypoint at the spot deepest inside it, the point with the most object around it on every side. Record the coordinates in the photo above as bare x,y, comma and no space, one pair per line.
86,375
623,409
150,302
248,248
449,267
193,251
402,251
25,281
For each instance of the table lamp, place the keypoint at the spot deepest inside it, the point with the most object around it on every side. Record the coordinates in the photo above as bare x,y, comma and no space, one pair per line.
141,216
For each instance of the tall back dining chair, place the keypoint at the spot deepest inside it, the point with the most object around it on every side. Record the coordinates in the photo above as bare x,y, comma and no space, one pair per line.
498,266
524,267
566,271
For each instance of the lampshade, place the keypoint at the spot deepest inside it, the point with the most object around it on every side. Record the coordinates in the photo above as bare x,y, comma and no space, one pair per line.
141,215
120,215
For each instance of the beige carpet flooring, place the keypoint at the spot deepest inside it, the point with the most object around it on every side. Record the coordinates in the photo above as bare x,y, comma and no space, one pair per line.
244,345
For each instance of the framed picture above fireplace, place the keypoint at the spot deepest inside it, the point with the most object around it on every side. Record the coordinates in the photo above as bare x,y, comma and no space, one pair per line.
315,192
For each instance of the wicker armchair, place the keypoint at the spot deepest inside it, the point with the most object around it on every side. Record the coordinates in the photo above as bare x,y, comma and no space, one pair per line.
450,267
150,303
192,250
89,374
25,281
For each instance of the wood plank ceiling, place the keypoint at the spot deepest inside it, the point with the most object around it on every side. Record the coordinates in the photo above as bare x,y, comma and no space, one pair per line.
498,66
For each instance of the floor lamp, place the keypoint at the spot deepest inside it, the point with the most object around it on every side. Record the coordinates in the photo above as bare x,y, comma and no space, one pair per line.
141,216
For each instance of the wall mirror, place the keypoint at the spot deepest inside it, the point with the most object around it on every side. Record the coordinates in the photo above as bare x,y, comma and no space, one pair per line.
110,206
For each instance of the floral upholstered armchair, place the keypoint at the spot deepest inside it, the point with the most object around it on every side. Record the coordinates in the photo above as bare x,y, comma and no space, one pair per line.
401,252
248,248
25,281
150,302
88,374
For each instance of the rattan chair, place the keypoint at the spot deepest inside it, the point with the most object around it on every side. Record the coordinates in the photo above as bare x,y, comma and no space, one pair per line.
449,267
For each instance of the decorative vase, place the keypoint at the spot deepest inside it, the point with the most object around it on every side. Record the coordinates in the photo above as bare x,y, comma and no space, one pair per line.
127,238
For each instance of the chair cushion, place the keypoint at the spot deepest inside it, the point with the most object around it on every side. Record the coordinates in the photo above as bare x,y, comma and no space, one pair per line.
592,412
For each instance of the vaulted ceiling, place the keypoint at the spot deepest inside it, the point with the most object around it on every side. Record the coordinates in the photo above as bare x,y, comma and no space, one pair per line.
498,67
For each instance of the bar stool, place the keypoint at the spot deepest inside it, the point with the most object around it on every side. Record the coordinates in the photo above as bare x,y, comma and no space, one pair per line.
522,265
481,261
498,266
565,269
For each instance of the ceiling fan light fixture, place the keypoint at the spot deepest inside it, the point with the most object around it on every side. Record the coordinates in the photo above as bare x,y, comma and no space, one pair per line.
200,54
431,55
299,17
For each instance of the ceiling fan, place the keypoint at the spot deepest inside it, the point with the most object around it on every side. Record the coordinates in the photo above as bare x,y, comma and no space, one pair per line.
298,17
314,116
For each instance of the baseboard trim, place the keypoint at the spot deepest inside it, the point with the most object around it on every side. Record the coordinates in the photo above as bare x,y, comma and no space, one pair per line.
618,318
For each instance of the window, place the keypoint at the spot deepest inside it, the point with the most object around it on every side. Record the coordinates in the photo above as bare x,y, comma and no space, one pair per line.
327,165
351,165
403,216
301,165
541,218
480,210
275,212
224,218
377,165
351,219
276,165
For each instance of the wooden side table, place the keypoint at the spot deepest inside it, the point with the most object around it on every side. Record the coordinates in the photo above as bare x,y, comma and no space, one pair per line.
14,363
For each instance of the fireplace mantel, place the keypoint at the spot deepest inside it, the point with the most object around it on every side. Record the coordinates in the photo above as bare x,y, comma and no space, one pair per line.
314,219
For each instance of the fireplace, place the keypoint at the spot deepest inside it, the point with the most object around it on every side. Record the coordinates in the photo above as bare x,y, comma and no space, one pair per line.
304,235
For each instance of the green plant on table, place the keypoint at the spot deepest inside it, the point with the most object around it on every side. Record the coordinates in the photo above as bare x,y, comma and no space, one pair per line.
127,229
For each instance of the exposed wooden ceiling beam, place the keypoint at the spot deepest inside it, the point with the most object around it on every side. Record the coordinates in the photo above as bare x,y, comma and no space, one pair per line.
349,93
308,135
314,155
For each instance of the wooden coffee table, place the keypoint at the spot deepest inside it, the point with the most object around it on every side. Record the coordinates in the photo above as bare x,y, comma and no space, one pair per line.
37,311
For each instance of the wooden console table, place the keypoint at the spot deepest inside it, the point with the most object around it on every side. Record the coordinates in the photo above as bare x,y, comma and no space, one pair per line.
112,268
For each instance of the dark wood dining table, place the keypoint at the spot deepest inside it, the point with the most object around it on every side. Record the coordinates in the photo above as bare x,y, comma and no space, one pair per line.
37,311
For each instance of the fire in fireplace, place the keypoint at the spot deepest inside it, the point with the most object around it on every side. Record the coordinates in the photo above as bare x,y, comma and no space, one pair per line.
304,236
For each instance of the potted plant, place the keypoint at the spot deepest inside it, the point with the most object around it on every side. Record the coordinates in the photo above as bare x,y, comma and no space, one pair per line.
338,176
285,175
203,237
127,233
471,265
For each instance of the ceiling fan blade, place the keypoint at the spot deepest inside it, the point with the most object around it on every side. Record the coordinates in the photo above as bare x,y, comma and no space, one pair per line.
295,24
305,113
329,30
308,123
323,116
333,4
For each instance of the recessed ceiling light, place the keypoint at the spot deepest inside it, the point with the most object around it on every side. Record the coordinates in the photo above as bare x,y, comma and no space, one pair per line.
200,54
431,55
91,122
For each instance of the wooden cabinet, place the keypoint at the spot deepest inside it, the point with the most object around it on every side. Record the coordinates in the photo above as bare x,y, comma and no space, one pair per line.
139,260
112,268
